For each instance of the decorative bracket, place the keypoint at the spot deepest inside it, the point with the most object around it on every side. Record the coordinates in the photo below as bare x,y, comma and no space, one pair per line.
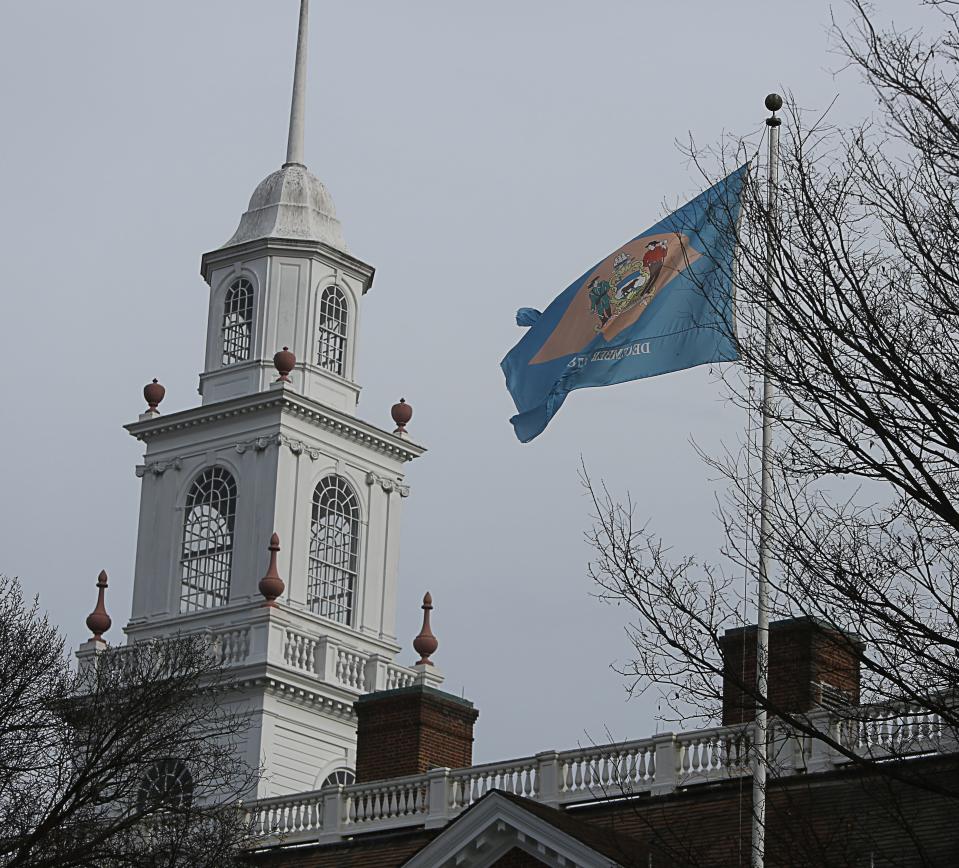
388,484
298,447
158,468
259,444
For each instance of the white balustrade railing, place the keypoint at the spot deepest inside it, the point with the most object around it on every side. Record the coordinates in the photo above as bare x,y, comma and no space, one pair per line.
654,765
518,777
299,651
878,731
351,669
596,772
289,817
399,676
326,658
713,754
232,646
400,801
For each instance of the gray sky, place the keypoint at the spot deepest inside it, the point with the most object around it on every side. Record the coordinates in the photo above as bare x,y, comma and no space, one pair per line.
481,156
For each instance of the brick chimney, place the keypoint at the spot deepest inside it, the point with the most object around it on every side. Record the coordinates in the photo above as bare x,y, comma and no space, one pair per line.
410,731
810,665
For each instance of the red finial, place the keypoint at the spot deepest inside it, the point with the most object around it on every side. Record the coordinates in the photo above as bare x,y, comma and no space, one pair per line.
426,643
271,585
98,621
153,393
401,413
284,361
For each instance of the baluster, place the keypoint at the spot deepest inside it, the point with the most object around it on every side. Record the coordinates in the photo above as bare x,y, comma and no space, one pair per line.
527,782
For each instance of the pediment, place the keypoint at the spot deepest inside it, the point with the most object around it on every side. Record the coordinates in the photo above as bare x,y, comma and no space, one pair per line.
499,823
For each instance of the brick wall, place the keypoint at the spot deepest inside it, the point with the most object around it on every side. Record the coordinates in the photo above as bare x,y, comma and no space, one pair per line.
803,653
843,819
410,731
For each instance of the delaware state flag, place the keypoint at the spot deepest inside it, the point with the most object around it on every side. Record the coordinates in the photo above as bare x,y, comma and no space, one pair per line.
661,302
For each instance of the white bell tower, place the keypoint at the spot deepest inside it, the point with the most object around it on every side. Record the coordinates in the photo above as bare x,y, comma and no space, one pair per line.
267,454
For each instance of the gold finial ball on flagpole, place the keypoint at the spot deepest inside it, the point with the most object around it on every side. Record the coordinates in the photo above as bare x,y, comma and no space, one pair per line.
774,102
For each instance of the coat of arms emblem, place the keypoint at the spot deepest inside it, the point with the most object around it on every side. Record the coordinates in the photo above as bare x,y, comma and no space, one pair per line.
631,282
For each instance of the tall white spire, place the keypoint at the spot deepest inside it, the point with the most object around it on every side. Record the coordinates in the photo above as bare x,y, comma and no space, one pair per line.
294,145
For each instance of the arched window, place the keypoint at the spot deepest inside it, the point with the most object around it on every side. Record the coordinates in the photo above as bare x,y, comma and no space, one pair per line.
238,322
167,784
334,542
333,314
207,555
344,777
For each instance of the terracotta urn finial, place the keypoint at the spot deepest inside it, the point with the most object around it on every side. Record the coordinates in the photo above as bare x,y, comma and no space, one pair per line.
426,643
401,413
153,393
271,585
98,621
284,361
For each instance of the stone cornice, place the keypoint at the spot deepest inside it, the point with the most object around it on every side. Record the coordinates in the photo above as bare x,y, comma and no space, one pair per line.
267,246
287,401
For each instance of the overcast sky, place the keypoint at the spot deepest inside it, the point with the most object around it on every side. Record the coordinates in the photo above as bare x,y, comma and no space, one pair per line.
481,156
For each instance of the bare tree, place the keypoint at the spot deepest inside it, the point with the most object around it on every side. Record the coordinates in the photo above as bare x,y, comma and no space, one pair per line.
132,761
863,313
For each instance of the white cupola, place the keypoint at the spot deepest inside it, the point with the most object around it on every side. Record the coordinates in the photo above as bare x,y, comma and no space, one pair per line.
280,469
285,280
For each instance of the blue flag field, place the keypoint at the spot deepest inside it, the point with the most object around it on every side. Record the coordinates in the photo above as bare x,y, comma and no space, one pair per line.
660,303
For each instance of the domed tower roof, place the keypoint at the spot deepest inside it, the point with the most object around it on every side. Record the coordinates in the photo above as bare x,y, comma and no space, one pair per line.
290,203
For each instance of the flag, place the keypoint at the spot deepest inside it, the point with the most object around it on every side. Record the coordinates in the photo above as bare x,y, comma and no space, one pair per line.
660,303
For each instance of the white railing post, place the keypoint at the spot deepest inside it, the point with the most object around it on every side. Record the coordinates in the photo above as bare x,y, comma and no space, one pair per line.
334,813
326,658
438,809
88,653
376,672
547,778
821,756
667,763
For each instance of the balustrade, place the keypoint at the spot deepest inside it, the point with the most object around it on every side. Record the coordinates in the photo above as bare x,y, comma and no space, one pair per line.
299,651
398,676
232,646
518,777
609,770
878,731
657,765
713,754
289,817
405,800
351,669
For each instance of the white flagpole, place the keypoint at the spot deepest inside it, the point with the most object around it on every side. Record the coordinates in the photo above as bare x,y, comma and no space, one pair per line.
760,748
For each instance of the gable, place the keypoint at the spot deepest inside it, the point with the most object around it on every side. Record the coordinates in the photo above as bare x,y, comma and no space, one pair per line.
501,831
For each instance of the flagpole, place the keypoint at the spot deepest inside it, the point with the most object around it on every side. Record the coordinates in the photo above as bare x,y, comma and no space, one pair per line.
760,748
